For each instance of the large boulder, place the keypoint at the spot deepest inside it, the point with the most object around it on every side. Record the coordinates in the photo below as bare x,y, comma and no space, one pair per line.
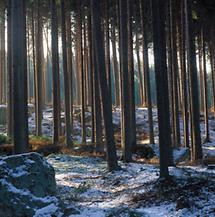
27,184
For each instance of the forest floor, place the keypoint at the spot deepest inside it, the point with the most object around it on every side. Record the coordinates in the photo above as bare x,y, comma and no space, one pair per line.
85,185
88,189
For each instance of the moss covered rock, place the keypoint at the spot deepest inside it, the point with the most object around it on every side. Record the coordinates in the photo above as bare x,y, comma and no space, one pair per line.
27,184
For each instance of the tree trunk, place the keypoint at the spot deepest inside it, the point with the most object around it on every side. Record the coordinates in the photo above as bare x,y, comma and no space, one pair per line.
39,68
115,63
196,148
20,108
80,69
91,69
70,67
141,90
185,112
66,77
174,70
55,72
146,72
125,103
131,76
158,14
10,75
105,94
2,57
205,87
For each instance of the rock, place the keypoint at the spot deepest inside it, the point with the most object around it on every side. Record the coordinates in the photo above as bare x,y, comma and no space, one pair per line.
27,184
144,151
182,203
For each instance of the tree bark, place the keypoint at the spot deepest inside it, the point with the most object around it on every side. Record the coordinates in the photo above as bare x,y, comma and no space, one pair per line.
146,72
66,77
159,40
196,148
10,75
105,94
55,72
20,109
125,103
39,69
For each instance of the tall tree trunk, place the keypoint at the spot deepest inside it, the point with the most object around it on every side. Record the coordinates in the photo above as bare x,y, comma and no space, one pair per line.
196,148
131,76
70,65
200,62
125,103
205,87
97,106
10,75
55,72
2,57
107,44
115,63
212,63
141,90
159,40
34,55
146,71
105,94
20,109
185,112
39,68
174,69
80,69
66,77
91,69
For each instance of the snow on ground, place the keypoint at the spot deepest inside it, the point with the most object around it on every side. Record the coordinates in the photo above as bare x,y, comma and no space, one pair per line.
141,123
85,184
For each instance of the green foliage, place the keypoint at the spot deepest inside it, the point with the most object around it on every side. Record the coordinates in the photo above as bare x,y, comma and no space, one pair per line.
4,139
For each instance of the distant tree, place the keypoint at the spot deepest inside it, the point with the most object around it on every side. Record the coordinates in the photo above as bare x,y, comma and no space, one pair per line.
80,69
91,75
184,77
115,63
205,85
173,65
66,77
146,70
